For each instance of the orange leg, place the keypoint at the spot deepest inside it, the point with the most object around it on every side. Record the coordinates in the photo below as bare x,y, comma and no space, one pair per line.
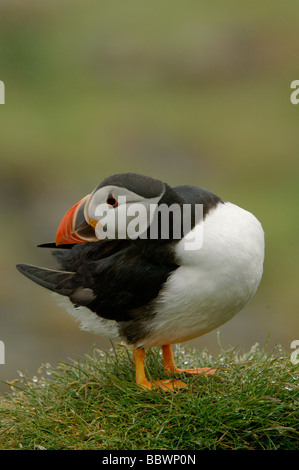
141,379
169,364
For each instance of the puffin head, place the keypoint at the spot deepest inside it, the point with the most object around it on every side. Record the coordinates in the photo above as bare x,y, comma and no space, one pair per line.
110,210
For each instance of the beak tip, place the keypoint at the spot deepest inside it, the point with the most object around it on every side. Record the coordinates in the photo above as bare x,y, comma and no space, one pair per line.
68,233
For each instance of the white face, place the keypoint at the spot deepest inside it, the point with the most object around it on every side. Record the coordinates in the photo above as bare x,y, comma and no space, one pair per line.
116,212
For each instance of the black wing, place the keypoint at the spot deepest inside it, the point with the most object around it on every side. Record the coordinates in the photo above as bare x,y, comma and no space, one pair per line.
57,281
111,278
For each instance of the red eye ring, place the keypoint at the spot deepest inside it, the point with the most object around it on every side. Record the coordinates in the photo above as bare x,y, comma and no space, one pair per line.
111,201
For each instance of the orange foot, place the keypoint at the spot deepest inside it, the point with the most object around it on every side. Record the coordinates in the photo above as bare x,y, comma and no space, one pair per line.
165,385
141,380
168,360
169,364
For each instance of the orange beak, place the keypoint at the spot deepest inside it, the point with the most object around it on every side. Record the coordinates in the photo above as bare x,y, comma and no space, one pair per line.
73,228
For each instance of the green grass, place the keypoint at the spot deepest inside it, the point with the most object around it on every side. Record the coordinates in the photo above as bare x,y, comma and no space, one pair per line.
251,403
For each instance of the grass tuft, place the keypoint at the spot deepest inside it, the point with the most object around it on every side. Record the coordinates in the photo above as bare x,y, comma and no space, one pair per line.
94,403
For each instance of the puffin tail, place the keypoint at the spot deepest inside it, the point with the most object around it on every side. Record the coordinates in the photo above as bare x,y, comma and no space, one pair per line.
56,281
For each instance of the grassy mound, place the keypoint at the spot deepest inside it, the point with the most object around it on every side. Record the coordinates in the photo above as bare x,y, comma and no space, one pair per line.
250,403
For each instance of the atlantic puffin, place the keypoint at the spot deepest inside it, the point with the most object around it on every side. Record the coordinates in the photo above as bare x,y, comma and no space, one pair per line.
155,287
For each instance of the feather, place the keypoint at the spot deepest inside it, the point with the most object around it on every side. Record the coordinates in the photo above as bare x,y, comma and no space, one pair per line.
57,281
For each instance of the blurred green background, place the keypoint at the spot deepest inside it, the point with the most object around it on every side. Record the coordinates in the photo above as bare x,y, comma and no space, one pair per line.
189,92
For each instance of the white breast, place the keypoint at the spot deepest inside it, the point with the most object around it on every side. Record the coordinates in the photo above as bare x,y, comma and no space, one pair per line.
212,283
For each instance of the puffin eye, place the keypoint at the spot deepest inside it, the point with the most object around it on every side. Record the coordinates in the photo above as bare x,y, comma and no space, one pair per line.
111,201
